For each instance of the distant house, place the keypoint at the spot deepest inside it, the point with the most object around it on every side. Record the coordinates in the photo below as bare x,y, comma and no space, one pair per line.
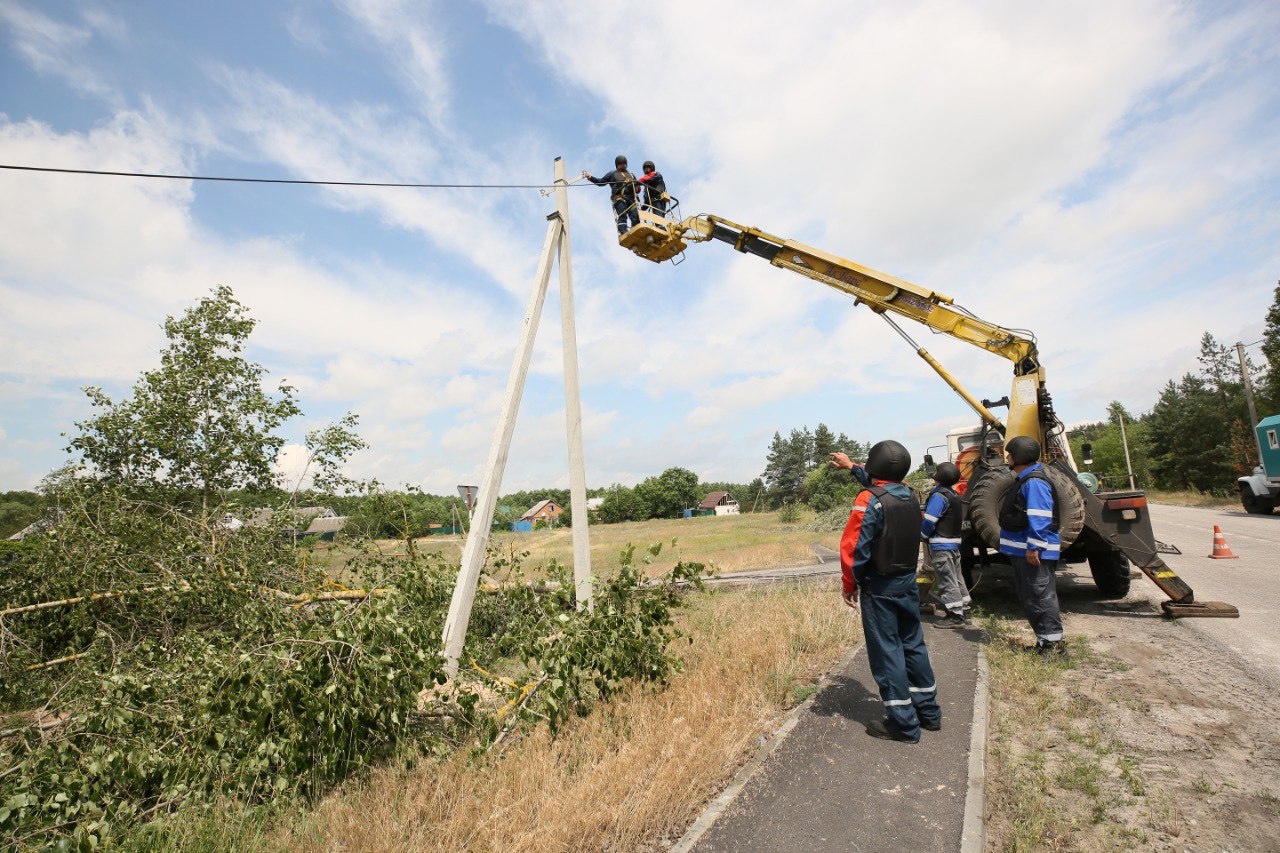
326,526
30,530
303,518
594,504
40,525
718,503
301,515
544,511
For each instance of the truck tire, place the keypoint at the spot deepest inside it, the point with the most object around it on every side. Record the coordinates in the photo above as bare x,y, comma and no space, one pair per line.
987,490
1110,570
1256,505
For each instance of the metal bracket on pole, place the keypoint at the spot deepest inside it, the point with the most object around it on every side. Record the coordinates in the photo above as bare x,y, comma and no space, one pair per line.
473,554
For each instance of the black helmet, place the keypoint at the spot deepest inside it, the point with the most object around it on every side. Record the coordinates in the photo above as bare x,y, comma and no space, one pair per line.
888,460
648,164
620,160
946,474
1022,450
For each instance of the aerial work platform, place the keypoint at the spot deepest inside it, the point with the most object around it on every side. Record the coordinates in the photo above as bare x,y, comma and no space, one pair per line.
654,238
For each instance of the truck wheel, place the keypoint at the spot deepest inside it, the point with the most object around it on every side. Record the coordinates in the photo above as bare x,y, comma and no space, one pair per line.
1110,570
988,488
1256,505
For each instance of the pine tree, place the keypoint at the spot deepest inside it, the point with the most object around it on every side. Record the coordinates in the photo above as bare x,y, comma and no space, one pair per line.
1270,386
824,444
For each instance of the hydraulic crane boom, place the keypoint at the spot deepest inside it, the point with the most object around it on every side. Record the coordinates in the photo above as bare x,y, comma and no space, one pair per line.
1030,412
1107,530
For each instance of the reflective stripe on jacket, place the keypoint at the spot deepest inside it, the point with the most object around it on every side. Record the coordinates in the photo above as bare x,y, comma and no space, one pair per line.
1038,536
935,509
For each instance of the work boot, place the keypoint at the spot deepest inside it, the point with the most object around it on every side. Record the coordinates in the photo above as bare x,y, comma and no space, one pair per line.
953,620
880,729
1052,649
931,727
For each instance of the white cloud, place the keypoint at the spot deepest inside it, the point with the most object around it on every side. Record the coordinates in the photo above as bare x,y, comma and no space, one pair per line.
417,50
57,49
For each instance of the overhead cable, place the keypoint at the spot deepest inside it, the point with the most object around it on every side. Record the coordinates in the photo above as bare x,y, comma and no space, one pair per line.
278,180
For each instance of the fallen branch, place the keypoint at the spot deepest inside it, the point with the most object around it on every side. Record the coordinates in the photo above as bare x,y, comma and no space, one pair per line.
526,694
310,597
55,661
97,596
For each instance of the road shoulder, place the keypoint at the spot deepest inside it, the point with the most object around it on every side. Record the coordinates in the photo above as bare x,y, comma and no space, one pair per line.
828,785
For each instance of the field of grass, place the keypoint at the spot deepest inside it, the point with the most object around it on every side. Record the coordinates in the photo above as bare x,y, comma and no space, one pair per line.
732,543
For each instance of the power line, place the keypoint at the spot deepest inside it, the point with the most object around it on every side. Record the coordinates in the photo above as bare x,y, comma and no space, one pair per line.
278,180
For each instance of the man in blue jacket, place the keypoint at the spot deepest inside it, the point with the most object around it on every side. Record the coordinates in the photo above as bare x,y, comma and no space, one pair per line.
942,529
1029,536
878,555
622,193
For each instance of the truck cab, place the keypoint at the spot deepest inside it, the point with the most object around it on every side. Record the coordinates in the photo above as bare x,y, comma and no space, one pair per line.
1260,491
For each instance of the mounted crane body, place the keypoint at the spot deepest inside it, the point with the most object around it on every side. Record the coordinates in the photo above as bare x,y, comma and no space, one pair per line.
1108,530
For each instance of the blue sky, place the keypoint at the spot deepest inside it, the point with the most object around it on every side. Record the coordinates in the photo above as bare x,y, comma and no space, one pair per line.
1103,174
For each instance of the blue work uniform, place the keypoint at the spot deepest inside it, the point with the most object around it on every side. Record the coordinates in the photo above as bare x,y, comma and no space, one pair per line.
896,652
934,509
942,527
1036,585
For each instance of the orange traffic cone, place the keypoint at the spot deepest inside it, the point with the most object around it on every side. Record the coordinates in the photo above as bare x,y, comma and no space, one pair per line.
1220,549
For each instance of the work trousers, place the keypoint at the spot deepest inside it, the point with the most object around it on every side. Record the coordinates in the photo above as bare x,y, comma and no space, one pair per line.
899,660
949,585
626,210
1038,592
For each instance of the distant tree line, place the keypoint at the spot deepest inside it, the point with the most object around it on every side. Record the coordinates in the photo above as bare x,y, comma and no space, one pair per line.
1198,435
797,469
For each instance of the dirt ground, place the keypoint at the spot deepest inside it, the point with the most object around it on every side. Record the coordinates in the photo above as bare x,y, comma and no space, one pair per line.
1156,737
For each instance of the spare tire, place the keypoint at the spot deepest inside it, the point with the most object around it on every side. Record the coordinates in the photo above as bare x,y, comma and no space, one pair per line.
987,491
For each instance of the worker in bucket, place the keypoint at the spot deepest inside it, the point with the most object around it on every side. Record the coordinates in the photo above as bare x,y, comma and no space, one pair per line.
1029,536
878,555
622,193
655,189
943,522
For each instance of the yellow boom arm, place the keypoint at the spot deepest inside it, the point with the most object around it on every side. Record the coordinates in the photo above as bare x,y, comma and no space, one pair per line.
659,239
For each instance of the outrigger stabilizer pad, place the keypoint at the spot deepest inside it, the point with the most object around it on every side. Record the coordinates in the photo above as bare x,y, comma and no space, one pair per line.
1203,609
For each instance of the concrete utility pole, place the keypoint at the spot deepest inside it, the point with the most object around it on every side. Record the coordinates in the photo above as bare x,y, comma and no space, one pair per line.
573,401
473,554
1124,439
1248,396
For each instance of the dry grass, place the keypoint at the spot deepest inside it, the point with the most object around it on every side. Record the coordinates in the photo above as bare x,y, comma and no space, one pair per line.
1196,499
632,774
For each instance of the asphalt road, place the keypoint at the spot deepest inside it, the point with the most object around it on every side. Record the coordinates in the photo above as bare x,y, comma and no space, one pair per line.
1251,583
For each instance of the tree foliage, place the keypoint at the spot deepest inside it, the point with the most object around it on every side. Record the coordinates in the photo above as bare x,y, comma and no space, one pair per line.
19,509
1270,385
203,685
791,460
1108,447
202,421
670,493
